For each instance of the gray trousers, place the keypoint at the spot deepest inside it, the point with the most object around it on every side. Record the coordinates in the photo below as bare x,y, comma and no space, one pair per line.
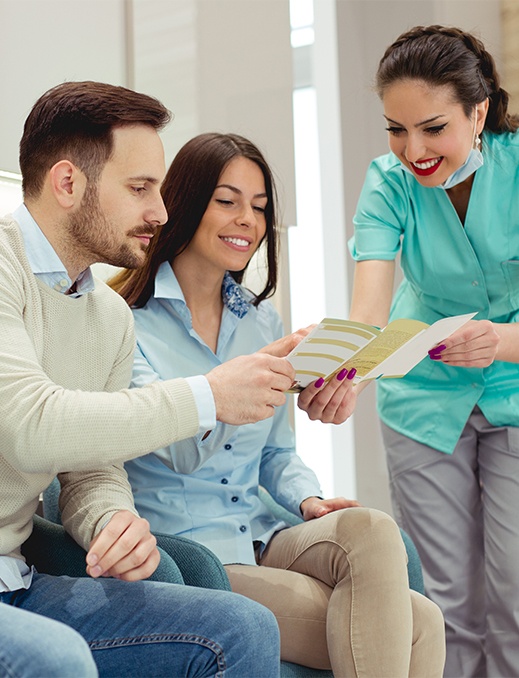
462,511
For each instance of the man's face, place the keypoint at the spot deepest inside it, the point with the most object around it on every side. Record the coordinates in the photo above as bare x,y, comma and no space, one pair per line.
120,214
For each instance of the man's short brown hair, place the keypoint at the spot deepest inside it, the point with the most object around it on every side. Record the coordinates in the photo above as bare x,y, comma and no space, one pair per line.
74,121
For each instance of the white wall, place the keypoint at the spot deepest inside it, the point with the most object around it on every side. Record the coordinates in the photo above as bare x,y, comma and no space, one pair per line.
226,66
45,42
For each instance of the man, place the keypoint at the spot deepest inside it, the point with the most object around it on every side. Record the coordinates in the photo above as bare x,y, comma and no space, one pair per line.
92,165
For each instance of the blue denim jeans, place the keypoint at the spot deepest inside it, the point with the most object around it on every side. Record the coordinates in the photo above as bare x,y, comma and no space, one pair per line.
157,629
25,650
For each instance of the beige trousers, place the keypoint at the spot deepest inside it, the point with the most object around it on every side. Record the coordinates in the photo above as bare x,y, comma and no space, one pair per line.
338,586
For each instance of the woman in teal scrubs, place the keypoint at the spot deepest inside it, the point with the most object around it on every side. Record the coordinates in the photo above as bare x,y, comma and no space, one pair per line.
447,198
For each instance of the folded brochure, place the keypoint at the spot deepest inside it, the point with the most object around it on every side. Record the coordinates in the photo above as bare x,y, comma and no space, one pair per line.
388,353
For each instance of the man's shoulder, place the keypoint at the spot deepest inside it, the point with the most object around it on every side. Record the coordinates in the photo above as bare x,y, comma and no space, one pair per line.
109,299
10,233
12,247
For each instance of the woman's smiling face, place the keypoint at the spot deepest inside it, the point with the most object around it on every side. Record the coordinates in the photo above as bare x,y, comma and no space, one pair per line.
429,131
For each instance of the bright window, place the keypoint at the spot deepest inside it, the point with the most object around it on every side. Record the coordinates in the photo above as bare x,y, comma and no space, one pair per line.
10,191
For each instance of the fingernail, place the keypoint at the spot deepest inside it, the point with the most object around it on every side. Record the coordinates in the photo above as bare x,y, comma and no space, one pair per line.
96,571
92,559
435,356
437,349
319,382
342,374
352,373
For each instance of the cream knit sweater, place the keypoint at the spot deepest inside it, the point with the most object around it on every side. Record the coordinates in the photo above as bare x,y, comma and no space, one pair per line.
65,365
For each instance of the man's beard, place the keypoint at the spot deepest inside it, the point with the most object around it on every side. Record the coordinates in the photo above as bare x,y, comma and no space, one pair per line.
91,231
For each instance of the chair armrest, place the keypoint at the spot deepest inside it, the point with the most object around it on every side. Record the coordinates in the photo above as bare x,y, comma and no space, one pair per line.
198,564
414,564
53,551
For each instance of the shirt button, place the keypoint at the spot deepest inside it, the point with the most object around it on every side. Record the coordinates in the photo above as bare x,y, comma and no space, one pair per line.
63,283
224,481
475,283
228,447
243,528
234,499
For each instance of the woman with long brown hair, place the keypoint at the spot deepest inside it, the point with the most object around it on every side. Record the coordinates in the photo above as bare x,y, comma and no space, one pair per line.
337,582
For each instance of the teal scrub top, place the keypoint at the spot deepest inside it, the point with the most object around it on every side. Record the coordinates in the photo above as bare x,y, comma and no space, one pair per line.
449,268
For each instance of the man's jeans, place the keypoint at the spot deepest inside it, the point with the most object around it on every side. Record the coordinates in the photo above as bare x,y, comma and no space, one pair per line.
158,629
32,646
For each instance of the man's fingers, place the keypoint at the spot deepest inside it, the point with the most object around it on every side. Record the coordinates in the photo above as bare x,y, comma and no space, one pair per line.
146,569
124,535
246,388
104,541
139,563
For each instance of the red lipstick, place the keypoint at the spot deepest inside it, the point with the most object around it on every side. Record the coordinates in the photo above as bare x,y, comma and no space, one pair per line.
426,172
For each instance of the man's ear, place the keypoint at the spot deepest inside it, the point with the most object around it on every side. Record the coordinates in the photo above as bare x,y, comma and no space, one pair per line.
67,183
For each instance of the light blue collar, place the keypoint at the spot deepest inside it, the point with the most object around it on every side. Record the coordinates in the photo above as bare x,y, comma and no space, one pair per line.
43,259
167,287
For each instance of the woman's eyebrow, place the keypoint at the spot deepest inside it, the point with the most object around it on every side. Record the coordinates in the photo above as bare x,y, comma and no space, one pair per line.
237,190
418,124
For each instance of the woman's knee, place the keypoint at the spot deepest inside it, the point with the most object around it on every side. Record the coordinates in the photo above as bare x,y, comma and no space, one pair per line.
428,626
374,527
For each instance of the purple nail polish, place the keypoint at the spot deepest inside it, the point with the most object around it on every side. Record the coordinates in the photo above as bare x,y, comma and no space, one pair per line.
437,349
342,374
319,382
435,356
352,373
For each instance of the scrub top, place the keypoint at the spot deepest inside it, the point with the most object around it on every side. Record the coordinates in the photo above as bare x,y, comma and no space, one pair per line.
449,268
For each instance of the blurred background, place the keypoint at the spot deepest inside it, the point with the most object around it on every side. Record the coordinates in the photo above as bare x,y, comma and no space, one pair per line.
295,76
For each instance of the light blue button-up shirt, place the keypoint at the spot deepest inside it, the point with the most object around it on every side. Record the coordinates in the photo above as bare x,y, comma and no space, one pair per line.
449,269
207,490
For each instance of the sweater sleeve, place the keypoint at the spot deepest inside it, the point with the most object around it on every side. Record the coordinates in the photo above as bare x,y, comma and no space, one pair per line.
88,499
47,428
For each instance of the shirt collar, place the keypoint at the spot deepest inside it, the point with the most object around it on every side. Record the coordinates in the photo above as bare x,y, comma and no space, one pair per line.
167,287
43,259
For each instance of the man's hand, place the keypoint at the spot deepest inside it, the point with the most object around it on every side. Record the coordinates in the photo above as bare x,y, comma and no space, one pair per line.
313,507
283,346
246,389
124,549
332,403
473,345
